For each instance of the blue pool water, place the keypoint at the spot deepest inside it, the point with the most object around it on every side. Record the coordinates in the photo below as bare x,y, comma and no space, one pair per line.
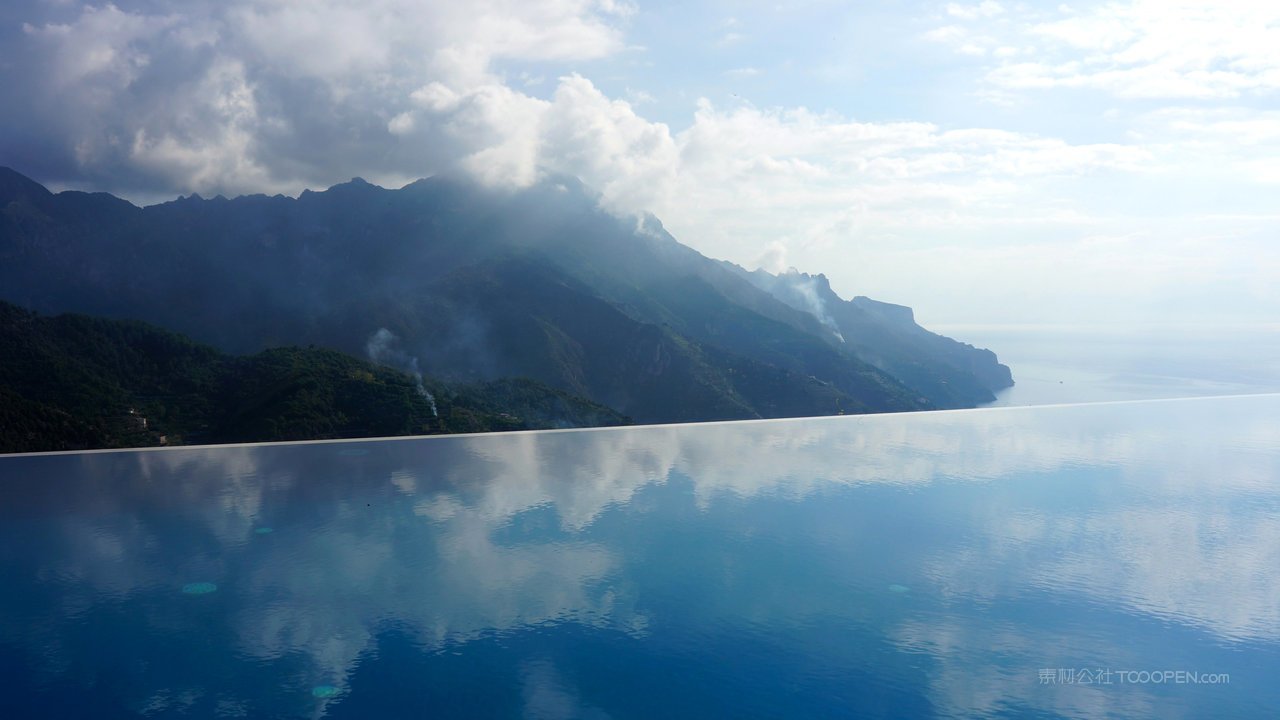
1117,560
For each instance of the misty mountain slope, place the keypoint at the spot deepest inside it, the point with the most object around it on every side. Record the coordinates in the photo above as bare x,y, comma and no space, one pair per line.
519,316
952,373
633,264
522,316
475,284
653,278
705,314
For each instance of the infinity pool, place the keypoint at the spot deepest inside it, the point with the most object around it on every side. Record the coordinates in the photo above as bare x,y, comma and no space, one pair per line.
1115,560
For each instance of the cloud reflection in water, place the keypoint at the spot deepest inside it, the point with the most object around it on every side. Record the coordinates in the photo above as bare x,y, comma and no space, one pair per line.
1155,511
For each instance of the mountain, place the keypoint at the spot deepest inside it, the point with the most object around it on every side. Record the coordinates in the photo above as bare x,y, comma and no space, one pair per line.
474,284
951,373
75,382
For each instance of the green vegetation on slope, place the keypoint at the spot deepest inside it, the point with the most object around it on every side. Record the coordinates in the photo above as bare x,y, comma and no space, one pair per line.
541,323
73,382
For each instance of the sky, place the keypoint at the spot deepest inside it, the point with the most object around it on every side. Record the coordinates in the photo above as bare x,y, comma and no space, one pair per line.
984,162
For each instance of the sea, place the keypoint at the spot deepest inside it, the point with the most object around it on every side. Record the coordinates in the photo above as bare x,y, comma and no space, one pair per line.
1055,364
1084,558
1093,560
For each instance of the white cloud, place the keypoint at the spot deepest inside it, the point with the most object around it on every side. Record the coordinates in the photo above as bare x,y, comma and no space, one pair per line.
963,39
236,129
247,96
774,257
822,181
984,9
730,38
1241,127
262,85
104,45
639,97
1224,146
630,160
223,116
620,8
506,137
945,33
1142,49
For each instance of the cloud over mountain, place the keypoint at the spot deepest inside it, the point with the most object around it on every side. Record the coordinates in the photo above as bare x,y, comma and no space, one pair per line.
244,95
156,97
969,128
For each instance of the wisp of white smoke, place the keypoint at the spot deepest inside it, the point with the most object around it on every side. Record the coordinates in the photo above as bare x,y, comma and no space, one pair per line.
383,349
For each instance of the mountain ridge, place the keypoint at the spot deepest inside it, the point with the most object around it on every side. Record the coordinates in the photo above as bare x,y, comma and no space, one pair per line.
331,267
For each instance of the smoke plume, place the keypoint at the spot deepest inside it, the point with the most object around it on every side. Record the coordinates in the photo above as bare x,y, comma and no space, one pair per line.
806,287
384,348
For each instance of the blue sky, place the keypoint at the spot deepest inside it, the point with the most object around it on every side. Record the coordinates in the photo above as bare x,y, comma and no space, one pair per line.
984,162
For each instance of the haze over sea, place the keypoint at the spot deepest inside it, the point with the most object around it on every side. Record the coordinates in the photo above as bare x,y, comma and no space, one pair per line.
1099,363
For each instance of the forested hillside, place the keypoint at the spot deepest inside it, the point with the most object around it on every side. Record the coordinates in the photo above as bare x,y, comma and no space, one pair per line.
74,382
